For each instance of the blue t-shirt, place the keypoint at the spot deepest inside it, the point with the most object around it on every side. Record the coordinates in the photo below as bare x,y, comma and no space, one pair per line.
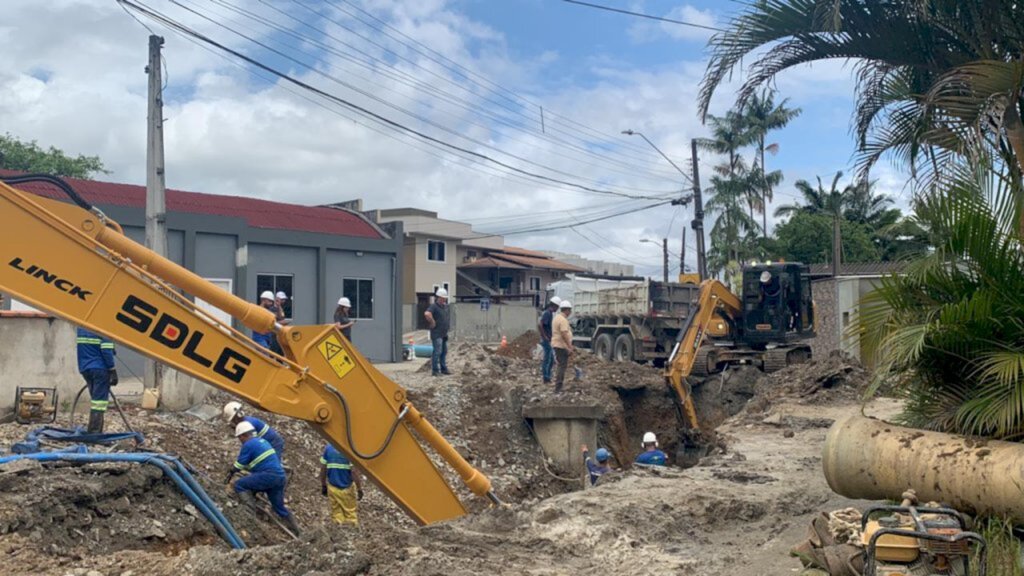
94,351
257,455
264,339
545,322
339,468
263,430
596,470
653,457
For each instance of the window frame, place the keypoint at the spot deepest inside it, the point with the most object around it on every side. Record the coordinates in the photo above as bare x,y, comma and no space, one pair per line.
530,280
444,251
289,307
355,311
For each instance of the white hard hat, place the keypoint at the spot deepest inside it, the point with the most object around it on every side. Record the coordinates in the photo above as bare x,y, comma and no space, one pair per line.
565,304
344,302
556,300
244,427
650,438
267,295
441,293
231,408
282,296
766,277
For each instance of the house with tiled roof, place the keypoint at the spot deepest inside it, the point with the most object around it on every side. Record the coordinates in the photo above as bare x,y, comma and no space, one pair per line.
246,245
509,273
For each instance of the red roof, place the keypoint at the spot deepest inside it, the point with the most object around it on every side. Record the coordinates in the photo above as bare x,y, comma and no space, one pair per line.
257,213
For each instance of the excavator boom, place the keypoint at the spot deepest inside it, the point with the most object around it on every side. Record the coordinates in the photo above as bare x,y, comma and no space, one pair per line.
72,262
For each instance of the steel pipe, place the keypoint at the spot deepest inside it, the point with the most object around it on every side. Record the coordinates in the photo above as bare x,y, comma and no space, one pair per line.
870,459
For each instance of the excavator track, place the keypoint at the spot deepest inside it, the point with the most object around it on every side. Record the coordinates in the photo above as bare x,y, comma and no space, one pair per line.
775,359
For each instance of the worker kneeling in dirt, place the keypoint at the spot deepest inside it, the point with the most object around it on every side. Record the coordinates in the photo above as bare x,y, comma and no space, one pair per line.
341,482
234,415
600,468
652,456
265,473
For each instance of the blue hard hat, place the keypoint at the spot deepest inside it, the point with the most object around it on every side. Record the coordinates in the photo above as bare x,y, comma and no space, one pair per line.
602,455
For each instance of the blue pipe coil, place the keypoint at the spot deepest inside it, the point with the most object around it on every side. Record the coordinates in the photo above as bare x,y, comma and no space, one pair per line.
178,474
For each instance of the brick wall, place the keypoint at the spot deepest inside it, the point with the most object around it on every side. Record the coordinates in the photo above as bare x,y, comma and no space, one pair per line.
825,318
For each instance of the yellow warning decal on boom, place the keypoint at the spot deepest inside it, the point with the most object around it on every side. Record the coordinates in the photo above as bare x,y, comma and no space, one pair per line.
336,356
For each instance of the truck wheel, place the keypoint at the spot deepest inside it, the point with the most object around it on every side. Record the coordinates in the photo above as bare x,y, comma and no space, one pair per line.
624,348
603,347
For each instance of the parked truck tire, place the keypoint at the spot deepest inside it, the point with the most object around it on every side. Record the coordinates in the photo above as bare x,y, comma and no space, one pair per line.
624,348
603,346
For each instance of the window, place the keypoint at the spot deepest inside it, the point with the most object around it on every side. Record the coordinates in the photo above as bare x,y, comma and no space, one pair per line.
846,319
471,253
439,286
360,292
435,250
535,283
276,283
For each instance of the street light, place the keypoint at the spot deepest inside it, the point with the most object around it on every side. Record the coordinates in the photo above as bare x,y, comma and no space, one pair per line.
664,253
698,208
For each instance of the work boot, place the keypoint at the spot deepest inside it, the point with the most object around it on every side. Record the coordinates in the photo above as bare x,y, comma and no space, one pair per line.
249,499
446,372
289,523
95,422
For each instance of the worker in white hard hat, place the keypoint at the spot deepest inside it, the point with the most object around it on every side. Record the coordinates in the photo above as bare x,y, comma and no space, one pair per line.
281,299
265,474
547,364
342,320
234,414
651,455
561,341
267,339
438,319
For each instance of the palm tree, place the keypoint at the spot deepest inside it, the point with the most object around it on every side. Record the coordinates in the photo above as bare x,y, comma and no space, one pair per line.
819,200
762,116
949,331
729,196
729,135
937,80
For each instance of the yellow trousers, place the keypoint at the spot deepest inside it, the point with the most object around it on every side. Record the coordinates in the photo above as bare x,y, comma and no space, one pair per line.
343,504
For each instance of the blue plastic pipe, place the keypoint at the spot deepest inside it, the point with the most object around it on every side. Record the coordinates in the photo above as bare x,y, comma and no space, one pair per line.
179,475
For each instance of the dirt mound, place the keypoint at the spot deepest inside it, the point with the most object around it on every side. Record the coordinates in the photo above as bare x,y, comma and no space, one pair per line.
836,379
523,347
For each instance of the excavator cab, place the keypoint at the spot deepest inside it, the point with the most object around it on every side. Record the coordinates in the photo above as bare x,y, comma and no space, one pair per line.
777,304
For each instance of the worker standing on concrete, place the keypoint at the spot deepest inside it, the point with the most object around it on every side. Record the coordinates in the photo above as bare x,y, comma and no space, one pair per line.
342,319
544,327
598,469
561,341
267,339
96,365
266,475
438,319
341,483
652,456
233,413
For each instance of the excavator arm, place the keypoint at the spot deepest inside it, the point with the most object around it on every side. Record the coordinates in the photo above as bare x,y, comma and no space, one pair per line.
70,260
712,298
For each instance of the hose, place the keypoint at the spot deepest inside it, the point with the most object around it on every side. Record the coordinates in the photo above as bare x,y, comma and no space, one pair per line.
179,475
348,426
64,186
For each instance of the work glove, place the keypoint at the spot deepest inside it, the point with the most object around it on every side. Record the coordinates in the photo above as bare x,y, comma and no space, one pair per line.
323,490
359,493
227,479
113,377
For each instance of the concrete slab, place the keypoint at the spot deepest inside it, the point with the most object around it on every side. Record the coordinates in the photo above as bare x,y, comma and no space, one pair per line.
391,368
563,412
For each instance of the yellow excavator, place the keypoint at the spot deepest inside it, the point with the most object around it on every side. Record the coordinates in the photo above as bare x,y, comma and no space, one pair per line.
72,261
766,327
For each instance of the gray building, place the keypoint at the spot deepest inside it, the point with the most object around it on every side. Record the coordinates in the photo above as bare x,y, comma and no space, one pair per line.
245,245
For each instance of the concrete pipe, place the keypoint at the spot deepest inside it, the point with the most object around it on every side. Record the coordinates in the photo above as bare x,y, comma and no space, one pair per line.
873,460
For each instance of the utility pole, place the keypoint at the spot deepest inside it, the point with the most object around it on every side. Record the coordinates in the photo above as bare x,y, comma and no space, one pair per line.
156,204
682,254
698,216
664,257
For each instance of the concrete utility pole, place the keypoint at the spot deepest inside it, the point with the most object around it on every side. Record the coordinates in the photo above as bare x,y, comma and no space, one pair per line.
682,254
664,256
156,204
698,216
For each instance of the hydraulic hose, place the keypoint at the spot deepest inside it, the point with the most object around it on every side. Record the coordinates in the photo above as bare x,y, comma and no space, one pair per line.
53,180
179,475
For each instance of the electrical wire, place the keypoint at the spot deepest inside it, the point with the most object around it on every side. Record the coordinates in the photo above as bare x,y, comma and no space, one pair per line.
642,15
362,110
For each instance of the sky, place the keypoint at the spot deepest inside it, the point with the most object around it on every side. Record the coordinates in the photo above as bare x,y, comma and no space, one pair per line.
463,104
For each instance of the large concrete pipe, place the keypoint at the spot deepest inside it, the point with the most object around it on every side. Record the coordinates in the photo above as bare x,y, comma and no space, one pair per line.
874,460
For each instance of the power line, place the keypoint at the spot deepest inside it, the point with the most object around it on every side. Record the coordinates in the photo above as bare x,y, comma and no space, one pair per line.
172,24
642,15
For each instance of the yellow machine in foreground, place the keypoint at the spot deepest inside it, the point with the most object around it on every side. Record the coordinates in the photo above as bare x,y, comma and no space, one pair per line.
75,263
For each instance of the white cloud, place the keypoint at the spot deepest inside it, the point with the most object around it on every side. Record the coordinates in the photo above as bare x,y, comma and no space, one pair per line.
645,30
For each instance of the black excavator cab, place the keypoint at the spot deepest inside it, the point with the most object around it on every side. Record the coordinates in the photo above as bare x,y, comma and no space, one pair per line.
777,304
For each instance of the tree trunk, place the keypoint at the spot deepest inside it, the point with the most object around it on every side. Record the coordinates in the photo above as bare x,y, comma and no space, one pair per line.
1015,134
764,191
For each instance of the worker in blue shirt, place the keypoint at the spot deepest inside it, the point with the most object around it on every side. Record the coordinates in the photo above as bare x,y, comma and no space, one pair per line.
266,475
651,455
341,482
598,469
233,413
96,365
267,339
